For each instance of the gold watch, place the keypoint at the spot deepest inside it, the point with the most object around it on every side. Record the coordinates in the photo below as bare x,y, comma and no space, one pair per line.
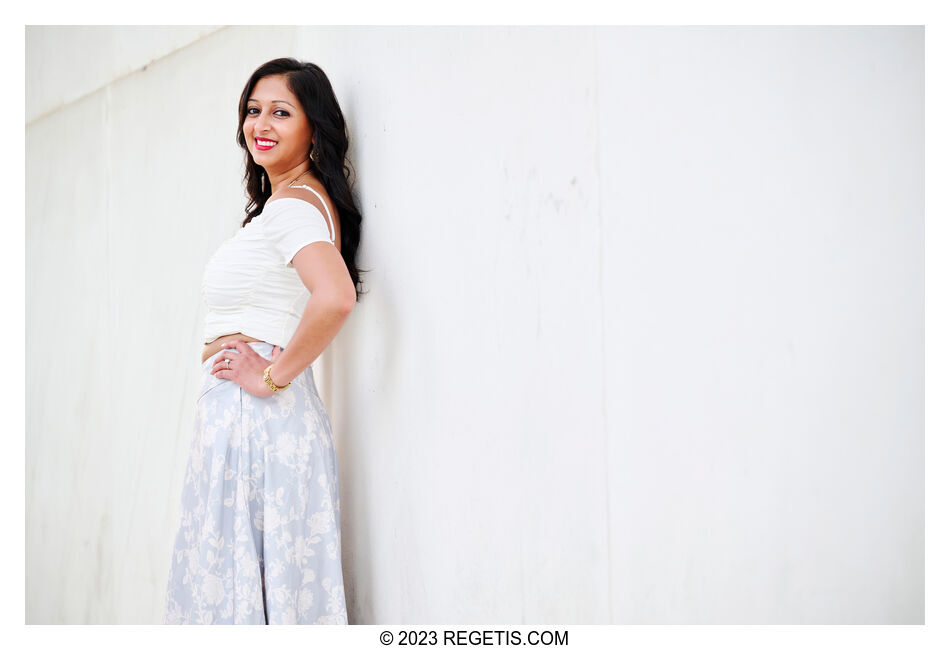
270,382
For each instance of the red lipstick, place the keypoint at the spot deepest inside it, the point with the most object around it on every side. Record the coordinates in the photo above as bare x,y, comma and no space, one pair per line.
260,147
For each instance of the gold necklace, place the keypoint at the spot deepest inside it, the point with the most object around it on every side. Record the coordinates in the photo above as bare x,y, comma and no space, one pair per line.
291,183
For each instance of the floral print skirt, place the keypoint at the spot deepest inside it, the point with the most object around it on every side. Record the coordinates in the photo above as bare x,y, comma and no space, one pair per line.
258,538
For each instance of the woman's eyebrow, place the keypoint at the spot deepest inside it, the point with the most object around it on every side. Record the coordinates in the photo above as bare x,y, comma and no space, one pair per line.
274,102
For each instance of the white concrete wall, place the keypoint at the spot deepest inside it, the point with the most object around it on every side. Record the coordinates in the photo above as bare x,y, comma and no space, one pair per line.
643,338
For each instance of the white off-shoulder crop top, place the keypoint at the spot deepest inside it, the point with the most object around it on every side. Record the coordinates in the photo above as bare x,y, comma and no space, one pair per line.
249,285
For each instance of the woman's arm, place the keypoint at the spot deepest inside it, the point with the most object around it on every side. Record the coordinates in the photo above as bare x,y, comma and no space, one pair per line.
332,297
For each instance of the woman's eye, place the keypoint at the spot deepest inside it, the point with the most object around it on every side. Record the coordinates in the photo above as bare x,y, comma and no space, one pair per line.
250,111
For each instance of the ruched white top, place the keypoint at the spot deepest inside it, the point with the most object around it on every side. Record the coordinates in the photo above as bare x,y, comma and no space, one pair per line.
249,285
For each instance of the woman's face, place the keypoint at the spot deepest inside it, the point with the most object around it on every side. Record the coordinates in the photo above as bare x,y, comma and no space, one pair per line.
274,114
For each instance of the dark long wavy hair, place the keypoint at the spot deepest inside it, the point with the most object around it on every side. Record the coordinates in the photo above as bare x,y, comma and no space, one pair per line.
312,87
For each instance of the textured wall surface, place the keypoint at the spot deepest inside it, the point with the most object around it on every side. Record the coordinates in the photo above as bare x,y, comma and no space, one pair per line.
642,342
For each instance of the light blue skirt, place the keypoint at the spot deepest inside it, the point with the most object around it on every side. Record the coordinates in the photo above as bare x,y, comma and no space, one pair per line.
258,537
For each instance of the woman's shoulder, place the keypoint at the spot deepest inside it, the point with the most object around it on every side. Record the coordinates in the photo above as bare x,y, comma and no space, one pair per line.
300,209
306,192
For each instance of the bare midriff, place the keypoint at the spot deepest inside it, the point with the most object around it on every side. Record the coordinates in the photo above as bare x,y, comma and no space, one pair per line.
215,345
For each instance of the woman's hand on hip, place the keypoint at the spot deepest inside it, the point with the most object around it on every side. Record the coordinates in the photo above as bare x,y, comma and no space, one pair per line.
245,367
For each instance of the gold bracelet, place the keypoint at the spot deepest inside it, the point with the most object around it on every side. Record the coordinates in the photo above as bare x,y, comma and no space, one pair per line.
270,382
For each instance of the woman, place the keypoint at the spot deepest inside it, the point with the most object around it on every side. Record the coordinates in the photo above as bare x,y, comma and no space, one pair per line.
259,533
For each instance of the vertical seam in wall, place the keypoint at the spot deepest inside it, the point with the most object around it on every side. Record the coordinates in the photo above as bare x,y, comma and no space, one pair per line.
603,342
108,190
111,333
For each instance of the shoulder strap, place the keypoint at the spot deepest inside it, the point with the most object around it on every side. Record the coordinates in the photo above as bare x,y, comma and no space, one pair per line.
329,214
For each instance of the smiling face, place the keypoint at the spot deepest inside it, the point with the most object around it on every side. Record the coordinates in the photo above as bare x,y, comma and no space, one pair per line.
276,129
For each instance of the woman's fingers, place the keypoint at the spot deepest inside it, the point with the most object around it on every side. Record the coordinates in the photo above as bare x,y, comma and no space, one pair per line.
221,363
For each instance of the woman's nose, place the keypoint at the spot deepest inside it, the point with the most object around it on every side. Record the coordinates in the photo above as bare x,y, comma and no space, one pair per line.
262,125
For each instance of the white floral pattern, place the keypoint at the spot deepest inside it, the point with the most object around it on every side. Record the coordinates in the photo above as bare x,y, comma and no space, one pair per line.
259,533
